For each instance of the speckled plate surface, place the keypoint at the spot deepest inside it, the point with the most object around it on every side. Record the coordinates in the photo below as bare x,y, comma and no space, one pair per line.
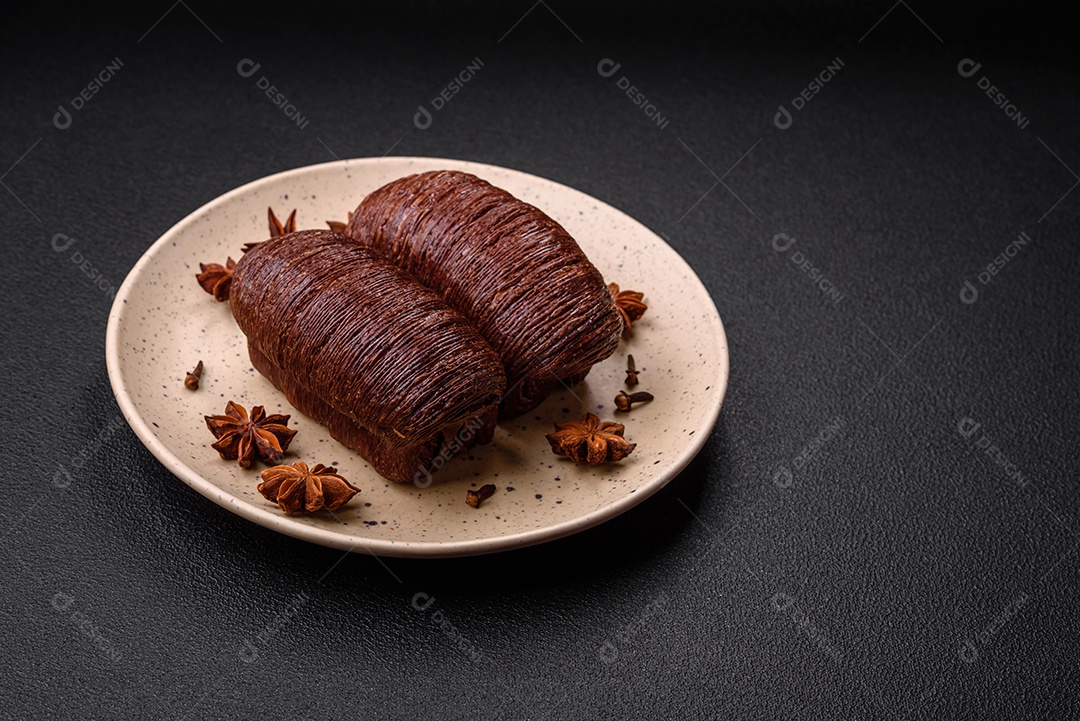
162,322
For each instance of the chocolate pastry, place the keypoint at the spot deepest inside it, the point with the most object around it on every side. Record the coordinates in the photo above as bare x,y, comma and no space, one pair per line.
507,267
362,347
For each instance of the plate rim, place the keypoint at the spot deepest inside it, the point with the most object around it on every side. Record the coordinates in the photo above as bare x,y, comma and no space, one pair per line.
390,548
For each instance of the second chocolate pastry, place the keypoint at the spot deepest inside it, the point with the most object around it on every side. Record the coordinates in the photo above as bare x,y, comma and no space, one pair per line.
506,266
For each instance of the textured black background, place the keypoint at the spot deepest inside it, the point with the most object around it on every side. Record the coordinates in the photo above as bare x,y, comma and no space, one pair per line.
898,572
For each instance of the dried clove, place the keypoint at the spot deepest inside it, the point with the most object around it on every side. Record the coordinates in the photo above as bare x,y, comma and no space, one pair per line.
191,380
631,372
475,498
625,401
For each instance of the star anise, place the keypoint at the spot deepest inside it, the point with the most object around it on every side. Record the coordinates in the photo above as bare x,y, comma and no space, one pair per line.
299,490
216,279
277,228
590,441
260,437
337,226
629,303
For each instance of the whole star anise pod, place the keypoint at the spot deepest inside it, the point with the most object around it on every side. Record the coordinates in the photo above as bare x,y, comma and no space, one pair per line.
277,228
260,437
629,303
298,490
590,441
216,279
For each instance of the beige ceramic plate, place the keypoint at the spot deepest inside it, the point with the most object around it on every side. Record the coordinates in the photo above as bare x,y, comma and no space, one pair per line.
162,323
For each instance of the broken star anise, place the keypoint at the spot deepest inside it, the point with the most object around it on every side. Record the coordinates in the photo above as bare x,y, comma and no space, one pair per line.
337,226
216,279
260,437
590,441
298,489
629,303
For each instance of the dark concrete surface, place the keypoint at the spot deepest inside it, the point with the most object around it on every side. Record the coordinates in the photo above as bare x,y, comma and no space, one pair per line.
884,523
